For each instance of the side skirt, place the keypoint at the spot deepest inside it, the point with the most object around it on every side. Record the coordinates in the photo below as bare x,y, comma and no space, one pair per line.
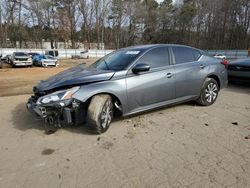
161,105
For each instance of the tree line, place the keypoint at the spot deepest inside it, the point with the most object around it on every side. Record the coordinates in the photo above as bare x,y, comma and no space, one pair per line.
206,24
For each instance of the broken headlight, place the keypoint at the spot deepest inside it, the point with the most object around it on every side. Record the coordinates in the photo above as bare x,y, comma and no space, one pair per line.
58,96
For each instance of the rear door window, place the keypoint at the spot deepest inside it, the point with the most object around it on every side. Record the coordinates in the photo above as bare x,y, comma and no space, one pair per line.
155,58
185,54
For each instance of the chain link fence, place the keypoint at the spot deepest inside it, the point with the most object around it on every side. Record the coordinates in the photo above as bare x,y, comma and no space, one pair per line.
230,54
68,53
62,53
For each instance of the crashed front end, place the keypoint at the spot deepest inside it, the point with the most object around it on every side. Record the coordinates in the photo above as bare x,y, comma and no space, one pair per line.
57,108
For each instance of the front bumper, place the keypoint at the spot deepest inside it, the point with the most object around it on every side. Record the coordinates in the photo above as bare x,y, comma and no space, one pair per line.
59,114
48,64
34,109
22,63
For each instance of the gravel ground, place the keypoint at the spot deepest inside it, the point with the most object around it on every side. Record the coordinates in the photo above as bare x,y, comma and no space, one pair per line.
181,146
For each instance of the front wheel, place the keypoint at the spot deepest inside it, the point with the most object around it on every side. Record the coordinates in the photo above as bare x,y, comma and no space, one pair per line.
209,92
100,113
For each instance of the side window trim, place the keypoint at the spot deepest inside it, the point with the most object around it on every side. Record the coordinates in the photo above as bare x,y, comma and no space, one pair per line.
172,57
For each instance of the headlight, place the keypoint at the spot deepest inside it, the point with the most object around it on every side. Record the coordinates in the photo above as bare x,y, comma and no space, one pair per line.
58,96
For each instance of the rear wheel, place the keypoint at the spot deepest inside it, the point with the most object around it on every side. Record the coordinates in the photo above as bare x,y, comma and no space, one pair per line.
209,92
100,113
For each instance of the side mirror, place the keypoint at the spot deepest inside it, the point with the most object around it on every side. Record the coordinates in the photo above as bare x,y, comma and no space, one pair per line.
140,68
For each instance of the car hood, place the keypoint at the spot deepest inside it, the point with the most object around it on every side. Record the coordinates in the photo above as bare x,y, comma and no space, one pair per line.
22,57
74,76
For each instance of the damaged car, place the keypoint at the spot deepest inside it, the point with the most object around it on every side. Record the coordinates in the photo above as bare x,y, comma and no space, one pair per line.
126,82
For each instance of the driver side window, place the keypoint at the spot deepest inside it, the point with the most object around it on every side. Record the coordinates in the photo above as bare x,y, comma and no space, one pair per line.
155,58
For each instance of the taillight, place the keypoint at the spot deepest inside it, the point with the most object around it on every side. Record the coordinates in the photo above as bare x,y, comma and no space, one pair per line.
225,63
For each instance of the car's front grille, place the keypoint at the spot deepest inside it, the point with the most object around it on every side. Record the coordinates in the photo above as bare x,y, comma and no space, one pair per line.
21,59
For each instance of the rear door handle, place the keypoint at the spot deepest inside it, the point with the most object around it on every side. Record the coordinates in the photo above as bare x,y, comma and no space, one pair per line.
202,66
169,75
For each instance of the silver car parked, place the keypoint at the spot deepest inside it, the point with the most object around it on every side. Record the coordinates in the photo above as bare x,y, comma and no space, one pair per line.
128,81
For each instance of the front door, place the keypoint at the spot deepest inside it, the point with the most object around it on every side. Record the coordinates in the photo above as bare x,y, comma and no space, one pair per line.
155,86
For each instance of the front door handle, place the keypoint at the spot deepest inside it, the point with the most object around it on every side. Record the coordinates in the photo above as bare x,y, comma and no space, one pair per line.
202,66
169,75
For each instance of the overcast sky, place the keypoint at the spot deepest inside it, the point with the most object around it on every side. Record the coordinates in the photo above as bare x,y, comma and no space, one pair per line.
159,1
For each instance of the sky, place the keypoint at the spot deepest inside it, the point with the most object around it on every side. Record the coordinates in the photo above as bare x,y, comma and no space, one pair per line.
159,1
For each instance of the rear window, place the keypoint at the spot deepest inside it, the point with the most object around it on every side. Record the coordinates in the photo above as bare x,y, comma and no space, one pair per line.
185,55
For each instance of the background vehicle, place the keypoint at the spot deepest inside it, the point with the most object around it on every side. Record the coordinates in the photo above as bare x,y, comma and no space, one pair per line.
20,59
45,60
5,59
1,64
239,70
53,53
220,56
82,55
32,54
128,81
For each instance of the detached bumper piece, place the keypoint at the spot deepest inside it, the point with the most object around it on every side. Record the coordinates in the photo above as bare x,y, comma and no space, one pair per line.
58,114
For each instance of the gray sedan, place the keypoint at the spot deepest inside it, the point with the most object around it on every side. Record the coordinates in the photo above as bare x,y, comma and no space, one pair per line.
126,82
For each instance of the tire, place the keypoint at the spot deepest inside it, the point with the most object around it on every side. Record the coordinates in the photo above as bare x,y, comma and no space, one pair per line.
100,113
209,92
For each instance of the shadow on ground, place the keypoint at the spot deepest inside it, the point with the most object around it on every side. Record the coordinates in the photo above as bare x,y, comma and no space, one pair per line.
239,87
23,120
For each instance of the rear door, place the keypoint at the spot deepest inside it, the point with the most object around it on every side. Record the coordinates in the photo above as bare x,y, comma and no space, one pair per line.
156,85
190,72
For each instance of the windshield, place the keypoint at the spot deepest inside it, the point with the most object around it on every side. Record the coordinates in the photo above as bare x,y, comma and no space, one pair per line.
20,54
118,60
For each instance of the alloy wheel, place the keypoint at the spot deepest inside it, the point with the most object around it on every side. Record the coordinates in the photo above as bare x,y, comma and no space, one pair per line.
106,116
211,92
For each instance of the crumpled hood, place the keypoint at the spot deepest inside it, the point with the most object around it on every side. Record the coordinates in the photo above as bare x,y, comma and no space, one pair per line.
75,76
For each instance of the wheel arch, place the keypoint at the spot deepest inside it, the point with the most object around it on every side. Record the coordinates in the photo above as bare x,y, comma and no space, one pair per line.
216,78
116,101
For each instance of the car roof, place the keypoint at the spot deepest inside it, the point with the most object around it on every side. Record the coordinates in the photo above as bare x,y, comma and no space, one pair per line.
149,46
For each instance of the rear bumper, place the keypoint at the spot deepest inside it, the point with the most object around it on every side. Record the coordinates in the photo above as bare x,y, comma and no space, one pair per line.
224,79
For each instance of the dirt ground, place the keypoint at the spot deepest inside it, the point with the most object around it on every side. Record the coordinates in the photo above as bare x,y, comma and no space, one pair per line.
181,146
17,81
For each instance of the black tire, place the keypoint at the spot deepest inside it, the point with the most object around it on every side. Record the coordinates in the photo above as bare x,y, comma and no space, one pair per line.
209,92
100,113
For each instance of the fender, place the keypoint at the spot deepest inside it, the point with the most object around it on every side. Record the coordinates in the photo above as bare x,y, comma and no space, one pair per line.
114,87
